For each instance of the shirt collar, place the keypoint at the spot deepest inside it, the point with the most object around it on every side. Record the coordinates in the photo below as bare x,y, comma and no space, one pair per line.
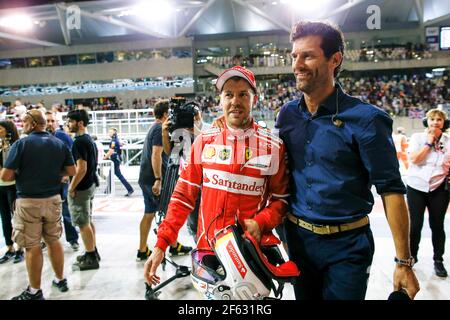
329,105
39,132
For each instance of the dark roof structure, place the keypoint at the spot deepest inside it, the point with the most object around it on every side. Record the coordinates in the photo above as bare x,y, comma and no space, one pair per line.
86,22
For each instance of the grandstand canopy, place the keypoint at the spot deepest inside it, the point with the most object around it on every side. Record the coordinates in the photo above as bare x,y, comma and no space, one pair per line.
119,20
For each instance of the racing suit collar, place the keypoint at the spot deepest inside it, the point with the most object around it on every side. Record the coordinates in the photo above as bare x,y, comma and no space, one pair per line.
240,134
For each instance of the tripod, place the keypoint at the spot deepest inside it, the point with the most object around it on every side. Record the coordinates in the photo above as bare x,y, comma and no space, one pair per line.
180,272
169,182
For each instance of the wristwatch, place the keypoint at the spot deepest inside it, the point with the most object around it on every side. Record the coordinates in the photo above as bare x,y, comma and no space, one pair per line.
157,178
405,262
429,144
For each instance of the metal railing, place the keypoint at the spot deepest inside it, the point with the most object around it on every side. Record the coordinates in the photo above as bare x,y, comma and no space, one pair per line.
133,124
130,123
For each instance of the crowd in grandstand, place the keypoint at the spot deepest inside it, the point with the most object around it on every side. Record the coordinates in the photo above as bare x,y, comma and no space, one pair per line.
398,94
407,52
281,57
395,94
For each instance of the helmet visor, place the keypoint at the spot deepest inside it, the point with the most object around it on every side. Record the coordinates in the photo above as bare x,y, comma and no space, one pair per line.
206,266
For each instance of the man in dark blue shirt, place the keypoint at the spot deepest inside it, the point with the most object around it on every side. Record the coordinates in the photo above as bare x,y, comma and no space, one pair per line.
115,155
338,147
71,232
38,162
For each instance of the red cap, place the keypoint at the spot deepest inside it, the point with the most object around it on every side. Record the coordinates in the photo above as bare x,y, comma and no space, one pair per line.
236,72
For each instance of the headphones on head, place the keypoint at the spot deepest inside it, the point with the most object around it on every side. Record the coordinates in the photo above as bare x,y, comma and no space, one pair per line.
28,113
445,127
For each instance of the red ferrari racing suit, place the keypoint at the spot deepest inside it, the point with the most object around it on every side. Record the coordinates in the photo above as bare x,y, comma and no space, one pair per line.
242,174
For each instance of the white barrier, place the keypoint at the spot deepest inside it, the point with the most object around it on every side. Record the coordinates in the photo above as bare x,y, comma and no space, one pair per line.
105,173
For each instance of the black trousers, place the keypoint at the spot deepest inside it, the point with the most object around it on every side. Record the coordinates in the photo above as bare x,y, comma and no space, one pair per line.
436,202
7,198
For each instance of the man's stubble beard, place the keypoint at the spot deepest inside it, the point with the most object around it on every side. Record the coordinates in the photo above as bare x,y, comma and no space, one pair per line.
305,87
313,84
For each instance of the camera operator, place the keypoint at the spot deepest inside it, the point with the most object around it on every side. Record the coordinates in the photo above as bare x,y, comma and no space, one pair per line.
191,132
152,169
184,137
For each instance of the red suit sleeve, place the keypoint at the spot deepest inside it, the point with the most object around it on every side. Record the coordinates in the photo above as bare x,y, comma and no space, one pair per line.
183,197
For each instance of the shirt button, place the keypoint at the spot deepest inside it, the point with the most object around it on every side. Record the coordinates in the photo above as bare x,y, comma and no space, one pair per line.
308,141
309,208
309,186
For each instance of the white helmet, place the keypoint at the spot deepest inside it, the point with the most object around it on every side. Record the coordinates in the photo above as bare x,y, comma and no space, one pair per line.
238,269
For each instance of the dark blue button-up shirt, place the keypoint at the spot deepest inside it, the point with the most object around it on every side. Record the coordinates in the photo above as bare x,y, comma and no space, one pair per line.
333,168
115,144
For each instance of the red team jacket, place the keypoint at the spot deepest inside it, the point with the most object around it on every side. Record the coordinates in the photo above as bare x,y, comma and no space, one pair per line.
242,175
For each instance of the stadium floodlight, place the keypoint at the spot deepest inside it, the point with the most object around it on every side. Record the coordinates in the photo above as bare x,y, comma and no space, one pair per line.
308,9
151,10
17,22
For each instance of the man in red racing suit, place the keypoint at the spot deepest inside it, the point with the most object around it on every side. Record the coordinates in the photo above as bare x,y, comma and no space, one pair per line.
241,170
233,174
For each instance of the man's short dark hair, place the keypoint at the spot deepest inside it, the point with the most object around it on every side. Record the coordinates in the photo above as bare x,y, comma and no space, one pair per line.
79,115
332,37
160,108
